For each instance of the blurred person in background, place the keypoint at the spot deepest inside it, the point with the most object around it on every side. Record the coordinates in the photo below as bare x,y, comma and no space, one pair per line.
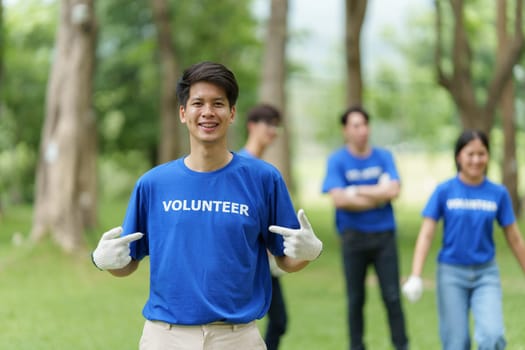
467,276
362,180
206,221
262,122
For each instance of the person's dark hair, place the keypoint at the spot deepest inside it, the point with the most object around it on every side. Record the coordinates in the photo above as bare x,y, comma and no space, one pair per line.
264,113
467,136
352,109
214,73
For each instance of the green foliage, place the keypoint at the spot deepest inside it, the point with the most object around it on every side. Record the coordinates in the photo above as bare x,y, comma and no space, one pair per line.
226,31
408,106
409,110
126,89
28,53
480,27
16,174
127,78
119,171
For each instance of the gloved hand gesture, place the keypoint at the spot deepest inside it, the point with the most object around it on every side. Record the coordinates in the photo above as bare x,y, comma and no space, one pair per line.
300,243
413,288
113,251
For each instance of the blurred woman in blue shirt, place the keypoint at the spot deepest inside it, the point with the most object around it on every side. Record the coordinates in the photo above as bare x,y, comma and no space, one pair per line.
467,276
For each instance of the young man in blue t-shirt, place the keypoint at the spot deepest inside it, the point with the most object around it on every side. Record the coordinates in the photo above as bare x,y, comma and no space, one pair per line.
206,221
362,180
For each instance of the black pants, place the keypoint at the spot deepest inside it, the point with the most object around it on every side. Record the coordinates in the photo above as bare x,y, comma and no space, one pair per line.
277,317
378,249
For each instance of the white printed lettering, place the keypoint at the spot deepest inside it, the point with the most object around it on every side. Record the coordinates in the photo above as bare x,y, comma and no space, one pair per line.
364,174
195,205
244,210
471,204
177,204
206,206
166,205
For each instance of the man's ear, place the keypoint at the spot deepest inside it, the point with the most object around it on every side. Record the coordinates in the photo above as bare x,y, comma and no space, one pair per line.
233,114
182,114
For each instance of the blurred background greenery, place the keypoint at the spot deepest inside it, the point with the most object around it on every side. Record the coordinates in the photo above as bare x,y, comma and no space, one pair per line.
54,300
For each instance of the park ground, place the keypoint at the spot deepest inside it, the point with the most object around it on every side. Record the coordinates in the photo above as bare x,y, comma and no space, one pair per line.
51,300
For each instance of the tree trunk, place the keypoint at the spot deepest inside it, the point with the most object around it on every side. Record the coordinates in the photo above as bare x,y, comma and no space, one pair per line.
169,123
66,176
355,14
273,86
474,114
509,166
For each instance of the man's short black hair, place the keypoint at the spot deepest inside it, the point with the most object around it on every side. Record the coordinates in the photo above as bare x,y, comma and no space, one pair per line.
352,109
264,113
214,73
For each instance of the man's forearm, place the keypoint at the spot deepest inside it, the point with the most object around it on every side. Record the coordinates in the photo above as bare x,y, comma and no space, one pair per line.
126,270
354,202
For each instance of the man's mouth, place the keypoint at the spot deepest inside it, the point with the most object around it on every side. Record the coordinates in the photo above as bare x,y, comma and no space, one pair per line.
208,125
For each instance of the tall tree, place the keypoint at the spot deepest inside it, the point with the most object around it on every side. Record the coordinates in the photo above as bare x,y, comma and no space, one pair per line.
273,85
459,82
355,15
65,202
169,123
508,112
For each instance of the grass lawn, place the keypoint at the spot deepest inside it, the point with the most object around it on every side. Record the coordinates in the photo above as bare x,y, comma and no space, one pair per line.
54,301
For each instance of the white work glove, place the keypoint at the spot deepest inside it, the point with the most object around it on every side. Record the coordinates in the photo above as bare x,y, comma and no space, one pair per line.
300,243
413,288
113,251
275,270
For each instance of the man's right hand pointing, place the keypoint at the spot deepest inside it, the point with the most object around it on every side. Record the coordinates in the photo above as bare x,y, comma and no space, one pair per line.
300,243
112,252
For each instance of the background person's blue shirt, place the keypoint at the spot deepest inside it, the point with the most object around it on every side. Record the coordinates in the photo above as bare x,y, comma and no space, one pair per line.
468,213
345,169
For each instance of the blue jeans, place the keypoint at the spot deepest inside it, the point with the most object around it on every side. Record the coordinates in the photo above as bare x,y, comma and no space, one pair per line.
277,317
378,249
462,289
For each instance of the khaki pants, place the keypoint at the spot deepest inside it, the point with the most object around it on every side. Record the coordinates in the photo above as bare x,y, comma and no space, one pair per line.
215,336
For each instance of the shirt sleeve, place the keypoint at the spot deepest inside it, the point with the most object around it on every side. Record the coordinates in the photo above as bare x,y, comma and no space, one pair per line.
505,214
135,220
390,166
335,177
434,207
282,213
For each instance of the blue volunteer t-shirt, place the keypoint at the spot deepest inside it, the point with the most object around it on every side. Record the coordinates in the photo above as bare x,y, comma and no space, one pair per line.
468,214
206,234
345,169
